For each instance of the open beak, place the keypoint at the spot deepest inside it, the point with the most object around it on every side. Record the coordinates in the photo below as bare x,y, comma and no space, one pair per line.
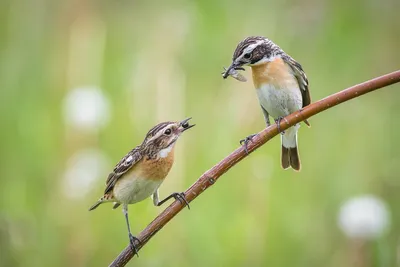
184,125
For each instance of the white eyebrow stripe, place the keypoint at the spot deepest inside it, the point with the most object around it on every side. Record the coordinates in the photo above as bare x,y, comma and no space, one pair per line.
158,134
250,48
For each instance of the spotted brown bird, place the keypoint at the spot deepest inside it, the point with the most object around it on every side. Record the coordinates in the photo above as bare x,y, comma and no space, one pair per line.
140,173
281,86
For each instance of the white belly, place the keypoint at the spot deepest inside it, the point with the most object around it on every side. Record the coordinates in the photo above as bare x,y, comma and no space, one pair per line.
279,102
131,189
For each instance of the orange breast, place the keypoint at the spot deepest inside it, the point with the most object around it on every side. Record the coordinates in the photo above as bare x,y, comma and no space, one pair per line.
156,169
276,72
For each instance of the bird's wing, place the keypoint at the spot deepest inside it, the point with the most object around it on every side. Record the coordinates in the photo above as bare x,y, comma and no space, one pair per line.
301,78
122,167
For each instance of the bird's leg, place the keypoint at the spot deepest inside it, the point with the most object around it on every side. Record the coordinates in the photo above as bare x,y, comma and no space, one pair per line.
132,238
278,124
267,122
249,138
178,196
266,116
245,141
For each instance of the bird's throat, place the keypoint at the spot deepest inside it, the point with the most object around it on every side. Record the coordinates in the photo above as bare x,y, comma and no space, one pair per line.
276,73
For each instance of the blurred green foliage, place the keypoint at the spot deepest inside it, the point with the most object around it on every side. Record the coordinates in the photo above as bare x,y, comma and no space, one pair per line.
161,60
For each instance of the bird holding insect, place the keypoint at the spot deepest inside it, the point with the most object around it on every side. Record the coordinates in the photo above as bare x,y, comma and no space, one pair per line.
281,85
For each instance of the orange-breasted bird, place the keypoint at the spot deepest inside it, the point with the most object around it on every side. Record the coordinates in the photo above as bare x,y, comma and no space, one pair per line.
141,172
281,86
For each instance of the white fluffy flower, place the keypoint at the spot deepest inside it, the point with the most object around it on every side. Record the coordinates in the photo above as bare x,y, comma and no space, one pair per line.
86,108
364,217
83,169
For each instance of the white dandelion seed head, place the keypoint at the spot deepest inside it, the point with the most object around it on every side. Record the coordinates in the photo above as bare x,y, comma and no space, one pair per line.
86,108
83,169
364,217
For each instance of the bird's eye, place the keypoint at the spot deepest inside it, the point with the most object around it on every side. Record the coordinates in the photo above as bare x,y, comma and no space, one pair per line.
185,125
168,132
247,55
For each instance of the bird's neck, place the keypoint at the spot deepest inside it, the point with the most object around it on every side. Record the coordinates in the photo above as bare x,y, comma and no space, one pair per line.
166,152
157,167
272,72
260,74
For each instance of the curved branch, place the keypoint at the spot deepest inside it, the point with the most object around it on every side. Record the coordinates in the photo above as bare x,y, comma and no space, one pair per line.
212,175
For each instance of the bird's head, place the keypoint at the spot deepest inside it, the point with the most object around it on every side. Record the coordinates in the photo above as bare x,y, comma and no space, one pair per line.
253,50
163,136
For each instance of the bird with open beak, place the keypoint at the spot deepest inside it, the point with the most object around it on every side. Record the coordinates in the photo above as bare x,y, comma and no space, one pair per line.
140,173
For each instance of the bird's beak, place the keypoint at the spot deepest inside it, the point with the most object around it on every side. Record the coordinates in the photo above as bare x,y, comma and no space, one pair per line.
184,125
226,74
235,66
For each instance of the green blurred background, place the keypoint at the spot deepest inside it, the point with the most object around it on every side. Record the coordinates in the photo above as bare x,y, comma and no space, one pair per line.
149,61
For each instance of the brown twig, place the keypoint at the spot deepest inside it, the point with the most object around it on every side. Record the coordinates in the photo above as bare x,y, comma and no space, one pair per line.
212,175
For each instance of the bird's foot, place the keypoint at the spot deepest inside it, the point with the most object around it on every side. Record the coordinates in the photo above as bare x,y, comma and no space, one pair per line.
245,141
181,198
278,124
132,240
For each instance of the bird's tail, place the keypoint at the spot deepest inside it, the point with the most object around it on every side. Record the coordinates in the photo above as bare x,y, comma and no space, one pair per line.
105,198
290,155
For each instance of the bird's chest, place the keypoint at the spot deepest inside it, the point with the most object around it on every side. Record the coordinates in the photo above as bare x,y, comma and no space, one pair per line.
133,188
142,180
277,88
156,169
273,100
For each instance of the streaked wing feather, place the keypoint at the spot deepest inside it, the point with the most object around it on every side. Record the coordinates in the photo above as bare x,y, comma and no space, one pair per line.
301,78
122,167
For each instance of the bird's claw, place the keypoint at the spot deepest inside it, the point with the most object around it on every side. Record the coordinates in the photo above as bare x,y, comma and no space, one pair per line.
245,141
278,124
181,198
132,240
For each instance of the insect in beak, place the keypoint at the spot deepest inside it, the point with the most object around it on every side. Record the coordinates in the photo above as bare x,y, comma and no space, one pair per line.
233,71
185,124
